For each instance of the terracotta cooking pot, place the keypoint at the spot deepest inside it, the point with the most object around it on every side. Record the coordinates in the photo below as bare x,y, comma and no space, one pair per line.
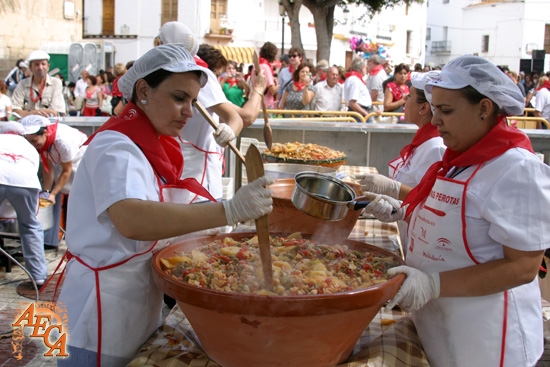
237,330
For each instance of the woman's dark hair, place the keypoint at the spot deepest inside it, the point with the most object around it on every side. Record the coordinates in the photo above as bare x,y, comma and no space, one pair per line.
212,56
92,78
268,51
420,96
296,73
474,97
155,78
41,131
400,67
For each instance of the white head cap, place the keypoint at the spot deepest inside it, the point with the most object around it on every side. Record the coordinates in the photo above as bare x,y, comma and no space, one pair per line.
32,123
23,64
168,57
420,82
484,77
12,127
38,55
177,33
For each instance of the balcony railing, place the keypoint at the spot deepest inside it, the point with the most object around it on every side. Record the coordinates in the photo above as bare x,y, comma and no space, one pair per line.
441,47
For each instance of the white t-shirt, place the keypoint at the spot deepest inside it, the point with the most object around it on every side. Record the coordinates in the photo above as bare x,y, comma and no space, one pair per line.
327,98
355,89
199,132
542,103
19,162
67,147
5,102
375,82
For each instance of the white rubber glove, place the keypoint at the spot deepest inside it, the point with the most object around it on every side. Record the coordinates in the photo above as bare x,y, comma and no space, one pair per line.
417,289
250,201
382,206
379,184
223,135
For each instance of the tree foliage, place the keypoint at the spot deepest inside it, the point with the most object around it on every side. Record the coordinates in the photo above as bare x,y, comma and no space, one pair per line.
323,16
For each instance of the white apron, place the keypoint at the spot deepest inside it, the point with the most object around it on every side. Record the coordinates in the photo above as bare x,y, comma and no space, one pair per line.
455,331
200,164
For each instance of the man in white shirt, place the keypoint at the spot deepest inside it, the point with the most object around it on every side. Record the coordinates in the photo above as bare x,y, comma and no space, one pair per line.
376,77
328,93
80,90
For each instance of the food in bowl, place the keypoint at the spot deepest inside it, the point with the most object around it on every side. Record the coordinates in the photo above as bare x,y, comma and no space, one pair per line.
303,151
300,266
289,170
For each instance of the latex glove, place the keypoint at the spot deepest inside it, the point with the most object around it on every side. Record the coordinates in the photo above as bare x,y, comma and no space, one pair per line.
223,135
417,289
382,206
250,201
379,184
48,196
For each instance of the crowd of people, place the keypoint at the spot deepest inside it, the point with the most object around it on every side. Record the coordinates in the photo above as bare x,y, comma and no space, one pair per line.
467,180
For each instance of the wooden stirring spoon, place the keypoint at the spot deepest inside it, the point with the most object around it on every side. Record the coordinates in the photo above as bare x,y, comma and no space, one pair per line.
268,133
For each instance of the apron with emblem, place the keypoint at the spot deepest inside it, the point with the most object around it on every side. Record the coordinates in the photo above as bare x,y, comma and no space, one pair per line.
453,328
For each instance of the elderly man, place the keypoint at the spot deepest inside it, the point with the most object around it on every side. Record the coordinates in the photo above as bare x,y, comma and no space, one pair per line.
40,94
19,185
296,55
328,93
80,90
321,71
356,93
375,80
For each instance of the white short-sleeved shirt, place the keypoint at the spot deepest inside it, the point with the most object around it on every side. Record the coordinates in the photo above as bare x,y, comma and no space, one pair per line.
19,162
199,132
67,147
5,102
542,103
426,154
355,89
327,98
506,203
375,82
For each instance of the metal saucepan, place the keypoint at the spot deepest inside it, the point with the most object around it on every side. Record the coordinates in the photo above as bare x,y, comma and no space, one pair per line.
325,197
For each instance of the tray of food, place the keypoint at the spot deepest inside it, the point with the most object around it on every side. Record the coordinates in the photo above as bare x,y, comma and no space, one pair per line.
309,153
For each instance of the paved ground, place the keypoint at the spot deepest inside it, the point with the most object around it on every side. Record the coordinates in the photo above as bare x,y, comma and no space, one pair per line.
33,350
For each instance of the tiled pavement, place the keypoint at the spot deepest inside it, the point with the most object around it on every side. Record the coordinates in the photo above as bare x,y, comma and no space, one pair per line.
33,349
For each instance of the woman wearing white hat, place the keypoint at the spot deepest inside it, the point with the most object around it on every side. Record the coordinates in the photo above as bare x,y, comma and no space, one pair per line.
477,227
426,148
118,214
39,94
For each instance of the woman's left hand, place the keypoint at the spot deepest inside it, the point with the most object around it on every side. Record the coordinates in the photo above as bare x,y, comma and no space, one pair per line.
418,288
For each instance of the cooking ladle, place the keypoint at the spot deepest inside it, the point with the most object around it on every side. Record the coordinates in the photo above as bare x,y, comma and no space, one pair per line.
268,133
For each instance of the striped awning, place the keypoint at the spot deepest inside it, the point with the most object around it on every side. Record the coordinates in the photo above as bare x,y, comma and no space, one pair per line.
238,54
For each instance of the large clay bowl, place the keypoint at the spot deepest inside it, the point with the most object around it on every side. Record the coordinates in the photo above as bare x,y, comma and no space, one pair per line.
286,218
241,330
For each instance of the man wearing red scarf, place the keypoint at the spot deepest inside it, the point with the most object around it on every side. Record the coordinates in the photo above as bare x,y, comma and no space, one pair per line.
296,55
542,103
376,76
477,226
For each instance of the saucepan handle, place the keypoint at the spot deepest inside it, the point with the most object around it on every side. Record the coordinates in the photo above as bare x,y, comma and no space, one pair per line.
360,204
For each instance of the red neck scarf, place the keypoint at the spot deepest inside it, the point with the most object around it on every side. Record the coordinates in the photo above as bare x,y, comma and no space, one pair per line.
39,96
50,138
546,85
355,73
298,86
497,141
264,61
232,82
375,70
200,62
323,78
290,68
423,134
163,153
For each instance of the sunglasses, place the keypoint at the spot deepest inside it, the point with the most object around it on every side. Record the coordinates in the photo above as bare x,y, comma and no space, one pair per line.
294,55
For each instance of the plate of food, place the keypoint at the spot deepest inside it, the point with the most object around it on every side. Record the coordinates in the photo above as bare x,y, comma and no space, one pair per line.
309,153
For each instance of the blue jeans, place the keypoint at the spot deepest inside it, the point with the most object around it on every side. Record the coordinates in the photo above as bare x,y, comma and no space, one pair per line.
25,202
51,236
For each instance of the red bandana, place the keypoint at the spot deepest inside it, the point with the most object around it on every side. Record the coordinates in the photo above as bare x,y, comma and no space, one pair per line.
375,70
497,141
298,86
232,82
323,78
200,62
163,153
355,73
423,134
50,138
290,68
546,85
264,61
39,96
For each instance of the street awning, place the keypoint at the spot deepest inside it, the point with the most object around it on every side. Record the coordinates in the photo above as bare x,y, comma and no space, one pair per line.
238,54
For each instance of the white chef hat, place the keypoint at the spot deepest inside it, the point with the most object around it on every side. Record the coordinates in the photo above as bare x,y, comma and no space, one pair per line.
419,82
12,127
32,123
177,33
168,57
483,76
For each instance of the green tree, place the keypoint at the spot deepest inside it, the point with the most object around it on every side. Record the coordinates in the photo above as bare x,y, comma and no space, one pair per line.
323,17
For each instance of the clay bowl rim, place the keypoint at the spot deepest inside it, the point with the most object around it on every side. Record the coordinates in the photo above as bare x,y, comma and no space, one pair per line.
274,306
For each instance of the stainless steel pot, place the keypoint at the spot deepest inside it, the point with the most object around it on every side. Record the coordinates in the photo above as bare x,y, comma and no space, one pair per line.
325,197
